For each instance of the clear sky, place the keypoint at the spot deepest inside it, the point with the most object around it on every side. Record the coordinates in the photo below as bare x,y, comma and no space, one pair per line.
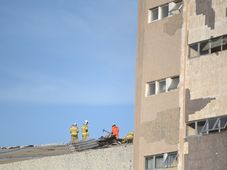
64,61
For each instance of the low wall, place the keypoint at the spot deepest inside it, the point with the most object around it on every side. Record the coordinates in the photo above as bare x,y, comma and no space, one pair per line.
114,158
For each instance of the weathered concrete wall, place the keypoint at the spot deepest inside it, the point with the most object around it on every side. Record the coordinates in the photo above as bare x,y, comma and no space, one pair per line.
203,92
209,86
205,77
156,117
208,152
115,158
206,18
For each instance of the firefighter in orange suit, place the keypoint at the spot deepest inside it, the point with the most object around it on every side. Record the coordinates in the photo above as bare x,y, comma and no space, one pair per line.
115,131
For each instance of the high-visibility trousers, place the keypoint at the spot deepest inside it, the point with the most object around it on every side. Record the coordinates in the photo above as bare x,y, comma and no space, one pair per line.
84,136
74,139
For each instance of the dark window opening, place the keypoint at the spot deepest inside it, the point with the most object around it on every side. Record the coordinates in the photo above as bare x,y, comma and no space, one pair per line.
154,14
151,88
216,44
213,45
211,125
194,50
224,43
204,47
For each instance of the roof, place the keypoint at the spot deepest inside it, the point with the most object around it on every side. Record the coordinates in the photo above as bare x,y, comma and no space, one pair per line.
13,154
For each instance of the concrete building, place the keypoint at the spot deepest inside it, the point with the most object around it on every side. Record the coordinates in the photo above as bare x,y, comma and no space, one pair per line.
181,92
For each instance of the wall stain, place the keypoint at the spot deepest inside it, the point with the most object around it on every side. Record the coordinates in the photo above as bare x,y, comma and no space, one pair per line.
173,24
205,7
166,127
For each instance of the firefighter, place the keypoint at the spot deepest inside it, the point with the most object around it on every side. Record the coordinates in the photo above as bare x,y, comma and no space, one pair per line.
115,131
74,133
84,130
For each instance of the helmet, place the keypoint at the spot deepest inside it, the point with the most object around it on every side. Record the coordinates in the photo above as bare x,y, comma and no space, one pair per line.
113,124
86,121
74,124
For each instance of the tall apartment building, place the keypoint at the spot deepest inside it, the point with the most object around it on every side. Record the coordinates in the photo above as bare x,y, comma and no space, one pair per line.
181,90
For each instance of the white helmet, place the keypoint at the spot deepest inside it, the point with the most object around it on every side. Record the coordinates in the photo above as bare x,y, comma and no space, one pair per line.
74,124
86,121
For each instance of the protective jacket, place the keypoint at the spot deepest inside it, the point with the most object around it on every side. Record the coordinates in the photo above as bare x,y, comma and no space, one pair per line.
74,131
115,131
84,129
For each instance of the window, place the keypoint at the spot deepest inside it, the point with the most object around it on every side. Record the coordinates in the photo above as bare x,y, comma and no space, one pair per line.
223,123
194,50
153,14
224,43
216,44
213,45
191,129
211,125
164,11
149,163
159,161
204,47
162,86
166,160
200,126
151,88
170,160
175,7
174,82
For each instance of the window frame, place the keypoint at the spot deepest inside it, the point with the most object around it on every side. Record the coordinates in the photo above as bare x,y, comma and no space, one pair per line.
203,127
163,164
208,42
178,6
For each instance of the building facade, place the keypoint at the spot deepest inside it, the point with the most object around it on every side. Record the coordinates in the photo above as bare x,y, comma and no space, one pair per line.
181,95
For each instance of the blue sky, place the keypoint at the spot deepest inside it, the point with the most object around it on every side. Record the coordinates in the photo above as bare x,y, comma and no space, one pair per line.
63,61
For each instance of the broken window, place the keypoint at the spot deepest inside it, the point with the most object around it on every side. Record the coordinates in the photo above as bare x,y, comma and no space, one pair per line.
174,82
200,126
170,159
164,11
166,160
204,47
211,125
175,7
223,123
162,86
216,44
208,46
193,50
224,43
191,129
